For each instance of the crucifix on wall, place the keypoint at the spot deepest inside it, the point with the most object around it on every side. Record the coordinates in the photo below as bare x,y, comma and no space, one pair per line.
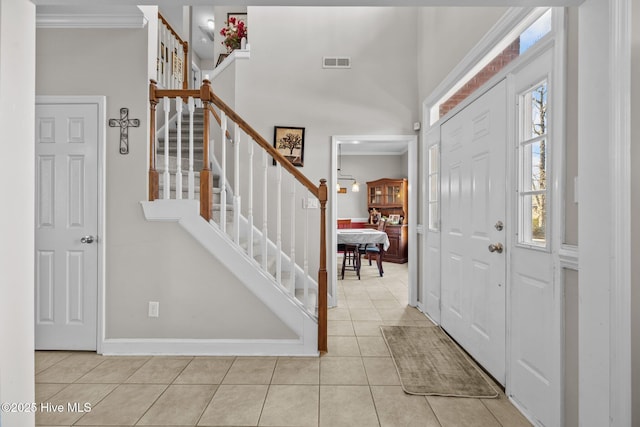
124,122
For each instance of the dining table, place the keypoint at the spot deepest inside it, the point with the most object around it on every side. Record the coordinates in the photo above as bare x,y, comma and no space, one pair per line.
363,237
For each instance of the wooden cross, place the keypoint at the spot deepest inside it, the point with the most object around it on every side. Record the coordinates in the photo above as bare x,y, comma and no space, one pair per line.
124,124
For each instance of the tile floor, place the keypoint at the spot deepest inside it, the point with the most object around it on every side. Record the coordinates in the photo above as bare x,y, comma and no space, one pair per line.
354,385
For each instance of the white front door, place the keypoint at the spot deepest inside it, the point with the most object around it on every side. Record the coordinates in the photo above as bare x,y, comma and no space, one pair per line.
66,255
473,162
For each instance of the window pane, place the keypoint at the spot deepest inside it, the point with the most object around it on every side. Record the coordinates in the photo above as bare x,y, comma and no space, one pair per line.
433,159
538,99
433,216
433,188
535,32
534,210
535,166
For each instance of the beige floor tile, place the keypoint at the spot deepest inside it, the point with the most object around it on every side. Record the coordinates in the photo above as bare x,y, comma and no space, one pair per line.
72,400
381,371
205,370
365,328
461,412
46,391
46,359
396,408
114,369
340,328
505,412
365,314
373,346
70,368
387,303
159,370
235,405
347,406
297,370
406,313
124,406
342,371
338,313
251,370
291,405
379,294
342,346
179,405
360,302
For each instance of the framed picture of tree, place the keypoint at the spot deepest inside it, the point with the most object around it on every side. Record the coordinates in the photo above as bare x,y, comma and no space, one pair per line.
289,141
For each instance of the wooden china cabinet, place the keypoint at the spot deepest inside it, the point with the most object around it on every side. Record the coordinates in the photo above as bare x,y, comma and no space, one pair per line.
389,196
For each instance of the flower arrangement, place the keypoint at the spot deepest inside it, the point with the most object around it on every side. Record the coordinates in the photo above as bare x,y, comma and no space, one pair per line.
234,31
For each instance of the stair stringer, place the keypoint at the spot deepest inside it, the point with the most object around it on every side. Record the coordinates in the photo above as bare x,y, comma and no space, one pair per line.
258,282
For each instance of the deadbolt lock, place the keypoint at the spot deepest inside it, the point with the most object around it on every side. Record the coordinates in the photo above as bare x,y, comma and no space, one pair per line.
499,226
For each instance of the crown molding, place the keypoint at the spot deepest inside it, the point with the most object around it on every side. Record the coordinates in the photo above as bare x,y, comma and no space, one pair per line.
74,17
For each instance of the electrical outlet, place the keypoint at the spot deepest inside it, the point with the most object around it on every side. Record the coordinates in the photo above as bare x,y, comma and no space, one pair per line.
312,203
154,308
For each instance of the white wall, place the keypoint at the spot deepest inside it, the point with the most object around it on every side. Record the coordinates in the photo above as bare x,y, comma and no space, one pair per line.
17,118
635,212
445,36
199,297
366,168
284,83
594,215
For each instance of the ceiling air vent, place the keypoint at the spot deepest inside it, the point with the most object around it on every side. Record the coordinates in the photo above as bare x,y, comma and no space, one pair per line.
336,62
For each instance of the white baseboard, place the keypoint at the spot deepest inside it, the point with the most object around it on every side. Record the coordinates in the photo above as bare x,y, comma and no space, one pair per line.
193,347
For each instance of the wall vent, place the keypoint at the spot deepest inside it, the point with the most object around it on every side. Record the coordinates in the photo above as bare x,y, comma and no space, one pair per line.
336,62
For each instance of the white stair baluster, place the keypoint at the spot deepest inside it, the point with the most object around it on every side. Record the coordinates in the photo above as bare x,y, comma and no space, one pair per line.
279,223
179,148
292,282
166,105
265,187
305,255
191,179
250,200
222,181
236,184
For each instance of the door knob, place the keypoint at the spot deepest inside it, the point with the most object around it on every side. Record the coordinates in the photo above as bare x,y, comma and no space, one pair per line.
496,247
86,239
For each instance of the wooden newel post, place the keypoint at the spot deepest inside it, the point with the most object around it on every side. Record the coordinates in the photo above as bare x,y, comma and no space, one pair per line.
154,180
206,179
322,272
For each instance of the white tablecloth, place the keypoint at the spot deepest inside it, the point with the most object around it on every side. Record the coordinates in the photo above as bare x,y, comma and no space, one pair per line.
363,236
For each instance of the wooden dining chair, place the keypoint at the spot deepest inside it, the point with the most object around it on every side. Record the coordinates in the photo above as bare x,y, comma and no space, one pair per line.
376,250
351,257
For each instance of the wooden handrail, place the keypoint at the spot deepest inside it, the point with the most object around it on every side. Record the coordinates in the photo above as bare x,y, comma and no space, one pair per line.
299,176
185,47
217,117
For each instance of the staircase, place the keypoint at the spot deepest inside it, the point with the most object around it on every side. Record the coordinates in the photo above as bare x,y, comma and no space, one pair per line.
254,254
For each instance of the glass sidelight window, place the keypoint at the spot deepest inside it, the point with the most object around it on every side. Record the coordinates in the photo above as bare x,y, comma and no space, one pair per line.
533,208
434,174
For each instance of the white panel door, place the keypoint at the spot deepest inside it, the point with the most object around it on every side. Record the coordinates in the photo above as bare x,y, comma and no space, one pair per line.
66,256
535,355
473,163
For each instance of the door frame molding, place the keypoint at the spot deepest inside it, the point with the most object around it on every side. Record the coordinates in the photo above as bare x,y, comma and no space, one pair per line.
412,172
100,102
